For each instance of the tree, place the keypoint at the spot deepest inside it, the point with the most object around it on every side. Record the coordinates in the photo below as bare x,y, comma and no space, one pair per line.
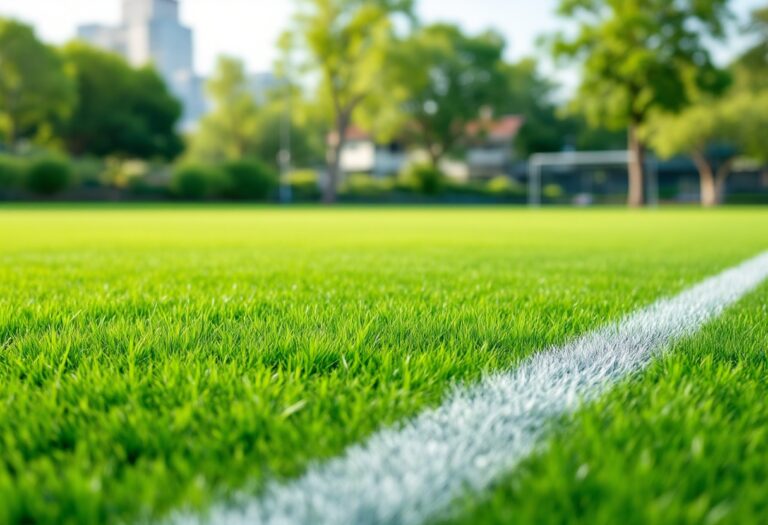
346,42
239,128
35,90
120,110
638,57
229,131
444,79
714,133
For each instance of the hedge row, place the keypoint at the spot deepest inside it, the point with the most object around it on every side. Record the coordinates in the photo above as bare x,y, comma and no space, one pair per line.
43,176
241,180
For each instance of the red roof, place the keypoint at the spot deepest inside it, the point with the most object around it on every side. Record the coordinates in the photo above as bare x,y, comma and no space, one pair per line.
504,128
353,133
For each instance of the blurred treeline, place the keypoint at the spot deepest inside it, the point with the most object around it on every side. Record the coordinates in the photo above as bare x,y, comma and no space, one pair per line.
77,119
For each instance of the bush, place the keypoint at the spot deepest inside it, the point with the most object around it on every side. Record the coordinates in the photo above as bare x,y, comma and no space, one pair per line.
426,179
304,185
11,172
502,186
196,182
747,198
89,171
553,191
470,188
48,177
406,184
363,185
250,180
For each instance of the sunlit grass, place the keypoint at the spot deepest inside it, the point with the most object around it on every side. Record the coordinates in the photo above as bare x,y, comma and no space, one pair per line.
155,357
687,442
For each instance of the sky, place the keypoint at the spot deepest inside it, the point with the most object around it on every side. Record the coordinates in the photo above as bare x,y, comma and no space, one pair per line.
248,29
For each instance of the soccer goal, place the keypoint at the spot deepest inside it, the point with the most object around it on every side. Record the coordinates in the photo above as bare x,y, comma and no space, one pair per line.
570,162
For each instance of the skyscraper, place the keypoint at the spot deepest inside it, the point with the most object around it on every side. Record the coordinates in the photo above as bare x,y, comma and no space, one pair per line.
151,33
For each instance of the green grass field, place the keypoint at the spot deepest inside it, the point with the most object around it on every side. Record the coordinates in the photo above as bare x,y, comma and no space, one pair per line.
157,358
685,443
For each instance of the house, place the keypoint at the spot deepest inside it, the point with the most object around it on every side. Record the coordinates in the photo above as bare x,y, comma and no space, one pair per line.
489,151
362,154
490,146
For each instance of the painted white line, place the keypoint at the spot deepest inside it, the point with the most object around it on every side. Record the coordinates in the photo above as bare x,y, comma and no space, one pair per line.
413,473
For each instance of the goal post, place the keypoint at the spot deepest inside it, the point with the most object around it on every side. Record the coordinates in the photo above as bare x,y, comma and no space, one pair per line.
539,161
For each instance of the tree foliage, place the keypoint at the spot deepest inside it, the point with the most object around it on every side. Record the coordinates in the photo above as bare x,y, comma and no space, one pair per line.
35,89
751,68
307,130
228,132
641,55
12,171
121,111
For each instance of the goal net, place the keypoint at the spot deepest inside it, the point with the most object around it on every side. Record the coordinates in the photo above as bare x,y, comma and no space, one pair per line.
585,178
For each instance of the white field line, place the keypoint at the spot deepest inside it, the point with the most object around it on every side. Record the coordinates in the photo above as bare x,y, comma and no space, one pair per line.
410,474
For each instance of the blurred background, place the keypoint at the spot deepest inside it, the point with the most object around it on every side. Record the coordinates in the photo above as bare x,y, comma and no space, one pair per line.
561,102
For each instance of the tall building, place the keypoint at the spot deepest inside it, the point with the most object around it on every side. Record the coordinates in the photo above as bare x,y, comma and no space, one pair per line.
151,32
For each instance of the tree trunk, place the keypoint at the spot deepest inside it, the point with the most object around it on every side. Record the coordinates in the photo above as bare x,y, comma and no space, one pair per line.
709,193
721,177
334,166
636,197
712,183
435,156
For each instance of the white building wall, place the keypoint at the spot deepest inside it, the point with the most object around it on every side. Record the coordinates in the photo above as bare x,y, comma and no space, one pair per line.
358,156
364,156
137,45
136,12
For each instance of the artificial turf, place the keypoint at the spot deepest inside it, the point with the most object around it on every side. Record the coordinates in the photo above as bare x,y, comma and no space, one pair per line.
153,358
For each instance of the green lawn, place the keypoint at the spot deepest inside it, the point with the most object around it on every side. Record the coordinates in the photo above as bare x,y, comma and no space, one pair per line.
152,358
687,442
